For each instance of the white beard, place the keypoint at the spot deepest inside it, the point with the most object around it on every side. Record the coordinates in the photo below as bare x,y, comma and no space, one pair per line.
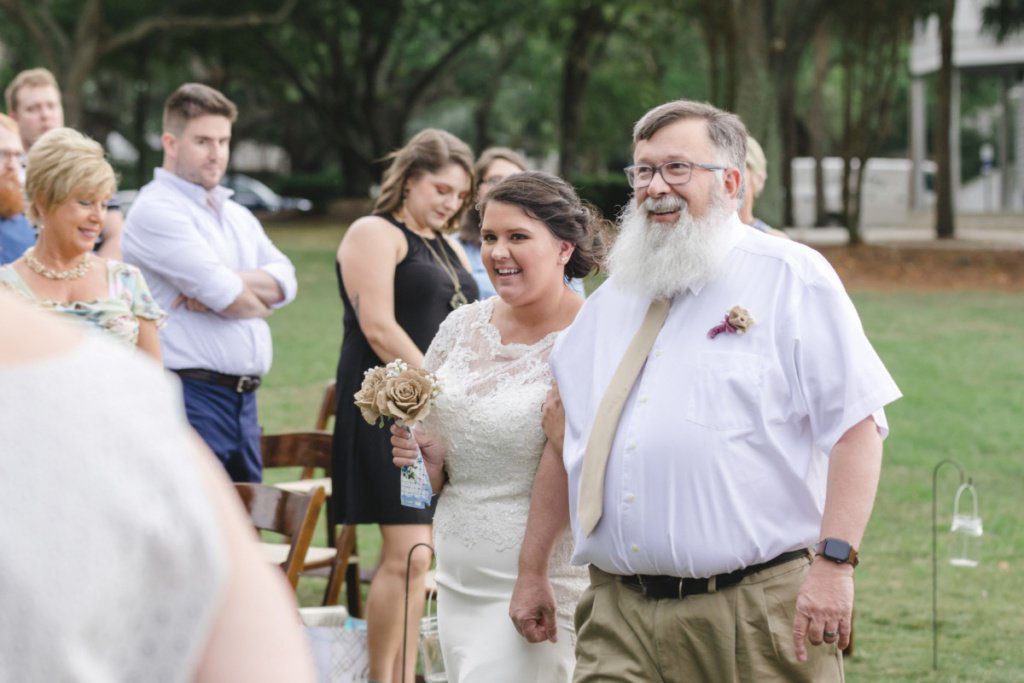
659,261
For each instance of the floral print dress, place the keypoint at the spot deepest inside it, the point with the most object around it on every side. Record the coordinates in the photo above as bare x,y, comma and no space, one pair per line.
128,300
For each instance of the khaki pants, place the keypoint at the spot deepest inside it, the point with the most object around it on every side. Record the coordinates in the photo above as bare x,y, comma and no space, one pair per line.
742,633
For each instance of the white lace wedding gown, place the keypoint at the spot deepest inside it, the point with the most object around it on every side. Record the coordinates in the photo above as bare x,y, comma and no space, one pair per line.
488,416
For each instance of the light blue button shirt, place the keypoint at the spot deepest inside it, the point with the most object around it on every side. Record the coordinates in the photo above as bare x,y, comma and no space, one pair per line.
16,235
188,240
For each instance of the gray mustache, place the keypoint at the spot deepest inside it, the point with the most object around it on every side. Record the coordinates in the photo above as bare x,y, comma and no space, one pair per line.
666,203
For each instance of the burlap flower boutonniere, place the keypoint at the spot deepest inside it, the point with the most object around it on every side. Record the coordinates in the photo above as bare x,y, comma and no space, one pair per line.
737,321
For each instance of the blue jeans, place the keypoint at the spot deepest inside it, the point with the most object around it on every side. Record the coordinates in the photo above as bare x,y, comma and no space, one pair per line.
229,424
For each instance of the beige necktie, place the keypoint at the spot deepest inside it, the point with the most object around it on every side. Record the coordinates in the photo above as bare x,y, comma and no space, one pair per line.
606,422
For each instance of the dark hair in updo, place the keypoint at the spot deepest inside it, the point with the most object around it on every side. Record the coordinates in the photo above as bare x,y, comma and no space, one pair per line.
553,202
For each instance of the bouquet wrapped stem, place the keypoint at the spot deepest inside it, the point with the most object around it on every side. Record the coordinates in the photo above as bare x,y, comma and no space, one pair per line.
415,489
406,395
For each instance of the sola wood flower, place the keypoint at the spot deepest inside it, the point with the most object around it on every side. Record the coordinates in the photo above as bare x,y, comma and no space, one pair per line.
737,321
396,391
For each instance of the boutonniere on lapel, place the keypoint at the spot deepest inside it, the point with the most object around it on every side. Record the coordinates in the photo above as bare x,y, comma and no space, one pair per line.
737,321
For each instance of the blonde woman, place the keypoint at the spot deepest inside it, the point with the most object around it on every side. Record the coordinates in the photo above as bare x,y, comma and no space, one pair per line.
68,183
755,175
400,275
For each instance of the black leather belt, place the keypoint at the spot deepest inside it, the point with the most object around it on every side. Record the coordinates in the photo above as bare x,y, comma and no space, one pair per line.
659,587
243,384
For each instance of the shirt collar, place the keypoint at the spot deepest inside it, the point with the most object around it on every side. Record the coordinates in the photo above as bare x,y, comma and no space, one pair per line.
214,198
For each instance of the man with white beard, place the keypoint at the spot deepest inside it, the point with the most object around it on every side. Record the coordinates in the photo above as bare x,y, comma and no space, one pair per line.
721,440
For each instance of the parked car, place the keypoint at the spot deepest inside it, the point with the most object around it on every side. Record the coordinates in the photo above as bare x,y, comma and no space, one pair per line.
257,197
249,192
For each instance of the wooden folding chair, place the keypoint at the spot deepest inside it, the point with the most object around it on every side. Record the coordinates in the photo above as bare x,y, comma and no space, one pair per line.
292,515
328,405
348,572
312,451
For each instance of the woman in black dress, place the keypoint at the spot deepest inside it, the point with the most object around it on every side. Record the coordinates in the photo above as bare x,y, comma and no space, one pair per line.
400,275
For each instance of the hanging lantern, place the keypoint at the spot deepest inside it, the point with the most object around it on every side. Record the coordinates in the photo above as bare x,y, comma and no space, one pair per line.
965,548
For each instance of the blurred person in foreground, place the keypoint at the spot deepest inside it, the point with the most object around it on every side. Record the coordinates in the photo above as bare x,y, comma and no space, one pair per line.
722,416
16,233
34,101
68,182
483,439
400,273
129,557
216,273
755,175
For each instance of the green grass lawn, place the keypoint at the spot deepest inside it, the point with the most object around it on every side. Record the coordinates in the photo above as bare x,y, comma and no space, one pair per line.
959,359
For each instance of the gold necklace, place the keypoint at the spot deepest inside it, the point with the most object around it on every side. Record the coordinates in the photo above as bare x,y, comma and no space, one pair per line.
458,299
71,274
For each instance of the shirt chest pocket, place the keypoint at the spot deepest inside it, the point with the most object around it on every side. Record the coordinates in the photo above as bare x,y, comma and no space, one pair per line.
722,391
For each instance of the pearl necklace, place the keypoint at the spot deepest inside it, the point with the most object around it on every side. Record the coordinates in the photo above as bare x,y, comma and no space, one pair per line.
71,274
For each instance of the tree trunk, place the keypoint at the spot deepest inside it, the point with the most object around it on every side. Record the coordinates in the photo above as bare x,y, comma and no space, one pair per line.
855,201
590,30
944,218
787,121
819,132
756,100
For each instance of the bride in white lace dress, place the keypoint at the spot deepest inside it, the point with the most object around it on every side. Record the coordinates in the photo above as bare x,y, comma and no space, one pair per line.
483,441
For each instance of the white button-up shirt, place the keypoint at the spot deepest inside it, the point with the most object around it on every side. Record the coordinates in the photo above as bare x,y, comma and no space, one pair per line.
187,240
721,453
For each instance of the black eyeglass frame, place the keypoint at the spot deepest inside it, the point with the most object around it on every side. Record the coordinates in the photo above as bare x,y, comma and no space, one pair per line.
630,172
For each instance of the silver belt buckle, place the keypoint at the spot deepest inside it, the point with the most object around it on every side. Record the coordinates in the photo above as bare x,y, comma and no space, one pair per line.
240,387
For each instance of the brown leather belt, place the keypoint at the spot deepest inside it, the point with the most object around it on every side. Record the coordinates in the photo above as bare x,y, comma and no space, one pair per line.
660,587
243,384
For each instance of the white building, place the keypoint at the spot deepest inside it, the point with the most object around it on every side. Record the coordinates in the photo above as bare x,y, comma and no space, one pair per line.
976,54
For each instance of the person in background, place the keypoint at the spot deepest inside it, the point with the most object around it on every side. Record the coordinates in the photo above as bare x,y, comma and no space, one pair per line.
215,271
68,182
16,233
130,558
399,275
33,100
755,174
493,164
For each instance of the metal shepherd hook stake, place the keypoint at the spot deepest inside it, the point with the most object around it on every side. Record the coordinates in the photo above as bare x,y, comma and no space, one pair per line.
405,619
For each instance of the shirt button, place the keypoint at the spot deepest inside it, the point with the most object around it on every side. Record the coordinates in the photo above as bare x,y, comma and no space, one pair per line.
631,446
635,548
643,399
630,497
657,354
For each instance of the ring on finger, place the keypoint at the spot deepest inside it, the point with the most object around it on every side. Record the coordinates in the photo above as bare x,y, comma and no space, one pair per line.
829,636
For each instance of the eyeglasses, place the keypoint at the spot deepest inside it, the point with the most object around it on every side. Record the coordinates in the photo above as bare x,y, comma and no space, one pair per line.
672,172
12,155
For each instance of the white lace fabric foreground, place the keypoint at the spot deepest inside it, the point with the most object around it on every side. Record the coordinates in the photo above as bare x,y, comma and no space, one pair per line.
488,416
113,561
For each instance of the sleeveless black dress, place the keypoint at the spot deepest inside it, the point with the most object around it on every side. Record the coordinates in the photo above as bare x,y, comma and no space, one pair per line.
365,481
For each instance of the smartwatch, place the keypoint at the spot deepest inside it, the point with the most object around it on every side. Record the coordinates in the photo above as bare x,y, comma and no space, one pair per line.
837,550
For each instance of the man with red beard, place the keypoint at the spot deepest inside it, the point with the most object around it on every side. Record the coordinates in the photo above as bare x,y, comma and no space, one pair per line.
16,233
721,439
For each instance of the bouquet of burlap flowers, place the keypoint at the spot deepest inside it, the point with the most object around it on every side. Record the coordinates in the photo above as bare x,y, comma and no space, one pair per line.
405,394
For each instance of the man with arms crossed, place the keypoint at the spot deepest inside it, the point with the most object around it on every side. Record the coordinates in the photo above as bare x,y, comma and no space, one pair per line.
212,267
706,453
